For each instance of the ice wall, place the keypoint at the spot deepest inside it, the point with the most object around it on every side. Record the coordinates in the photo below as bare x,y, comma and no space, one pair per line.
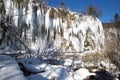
41,27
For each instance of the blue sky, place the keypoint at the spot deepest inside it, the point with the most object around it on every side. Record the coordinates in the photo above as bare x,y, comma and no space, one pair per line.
108,7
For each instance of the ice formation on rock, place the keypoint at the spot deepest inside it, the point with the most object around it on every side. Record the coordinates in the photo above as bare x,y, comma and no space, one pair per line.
42,27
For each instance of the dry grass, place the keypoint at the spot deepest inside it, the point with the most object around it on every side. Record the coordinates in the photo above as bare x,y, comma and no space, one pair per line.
112,46
106,61
53,78
114,57
93,57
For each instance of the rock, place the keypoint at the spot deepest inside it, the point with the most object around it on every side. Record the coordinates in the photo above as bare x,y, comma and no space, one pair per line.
103,75
91,77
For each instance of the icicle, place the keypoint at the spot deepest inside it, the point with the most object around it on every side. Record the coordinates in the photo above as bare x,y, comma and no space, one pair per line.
47,20
39,26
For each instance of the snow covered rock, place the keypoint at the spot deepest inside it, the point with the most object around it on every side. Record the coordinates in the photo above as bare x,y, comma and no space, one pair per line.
57,72
43,71
42,27
36,65
33,65
9,69
82,73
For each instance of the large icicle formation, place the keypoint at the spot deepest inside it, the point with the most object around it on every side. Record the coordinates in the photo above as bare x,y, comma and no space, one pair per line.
42,27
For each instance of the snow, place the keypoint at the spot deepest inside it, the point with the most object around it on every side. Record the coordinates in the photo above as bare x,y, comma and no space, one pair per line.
43,70
9,69
6,49
58,72
68,62
34,65
37,77
47,25
40,70
47,71
49,31
82,73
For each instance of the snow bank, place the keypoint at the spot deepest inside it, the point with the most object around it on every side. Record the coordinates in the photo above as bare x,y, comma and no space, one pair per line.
69,71
34,65
57,72
46,71
82,73
9,69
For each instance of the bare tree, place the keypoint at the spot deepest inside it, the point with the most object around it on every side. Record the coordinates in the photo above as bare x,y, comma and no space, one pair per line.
2,16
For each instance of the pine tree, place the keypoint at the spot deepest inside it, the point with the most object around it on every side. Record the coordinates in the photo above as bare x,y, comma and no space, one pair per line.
117,25
93,11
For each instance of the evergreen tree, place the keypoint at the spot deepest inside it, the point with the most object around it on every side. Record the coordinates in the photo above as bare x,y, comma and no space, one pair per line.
64,6
94,11
117,18
117,25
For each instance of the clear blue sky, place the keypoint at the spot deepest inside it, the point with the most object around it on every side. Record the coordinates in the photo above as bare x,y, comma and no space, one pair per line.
108,7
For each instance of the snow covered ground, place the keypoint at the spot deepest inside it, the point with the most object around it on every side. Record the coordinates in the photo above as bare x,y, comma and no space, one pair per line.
9,69
42,27
40,69
46,71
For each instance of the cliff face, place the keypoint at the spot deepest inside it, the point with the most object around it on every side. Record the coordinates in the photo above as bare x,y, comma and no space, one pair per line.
42,27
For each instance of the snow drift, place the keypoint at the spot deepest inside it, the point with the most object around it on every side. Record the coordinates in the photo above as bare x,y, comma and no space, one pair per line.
9,69
41,27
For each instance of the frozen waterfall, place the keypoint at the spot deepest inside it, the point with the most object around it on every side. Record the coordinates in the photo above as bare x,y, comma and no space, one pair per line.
42,27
